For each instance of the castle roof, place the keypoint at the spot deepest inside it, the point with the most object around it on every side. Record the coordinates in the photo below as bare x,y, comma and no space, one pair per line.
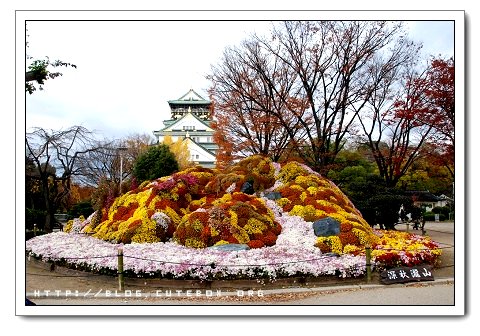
190,98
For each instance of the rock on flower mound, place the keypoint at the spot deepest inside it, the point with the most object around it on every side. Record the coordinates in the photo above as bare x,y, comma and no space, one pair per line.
201,207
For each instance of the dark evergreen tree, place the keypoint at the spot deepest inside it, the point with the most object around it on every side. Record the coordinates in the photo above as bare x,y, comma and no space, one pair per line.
158,161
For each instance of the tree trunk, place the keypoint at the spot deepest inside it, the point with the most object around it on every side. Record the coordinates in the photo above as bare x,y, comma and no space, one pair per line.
49,214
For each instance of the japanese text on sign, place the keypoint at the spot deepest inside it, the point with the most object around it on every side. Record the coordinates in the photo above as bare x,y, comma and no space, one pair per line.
407,274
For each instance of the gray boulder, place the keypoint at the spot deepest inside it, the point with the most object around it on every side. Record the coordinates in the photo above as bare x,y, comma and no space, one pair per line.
326,227
247,188
230,247
272,195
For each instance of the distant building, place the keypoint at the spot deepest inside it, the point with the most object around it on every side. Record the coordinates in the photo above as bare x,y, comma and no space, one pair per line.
427,200
190,121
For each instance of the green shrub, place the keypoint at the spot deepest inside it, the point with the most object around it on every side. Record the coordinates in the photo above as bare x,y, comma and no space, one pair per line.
84,209
387,207
430,216
158,161
442,210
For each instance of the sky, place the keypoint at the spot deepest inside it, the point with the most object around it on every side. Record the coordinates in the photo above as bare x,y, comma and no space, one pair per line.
128,70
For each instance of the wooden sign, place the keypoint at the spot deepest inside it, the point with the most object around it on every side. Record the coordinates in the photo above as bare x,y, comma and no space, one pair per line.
407,274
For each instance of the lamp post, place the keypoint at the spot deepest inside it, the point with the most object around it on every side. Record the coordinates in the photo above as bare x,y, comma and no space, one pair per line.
120,150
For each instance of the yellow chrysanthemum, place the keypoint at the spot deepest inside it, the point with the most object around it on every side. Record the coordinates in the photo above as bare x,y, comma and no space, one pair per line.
195,243
224,199
254,226
146,233
197,225
68,226
233,218
283,201
240,234
213,231
176,219
350,249
362,236
335,244
290,171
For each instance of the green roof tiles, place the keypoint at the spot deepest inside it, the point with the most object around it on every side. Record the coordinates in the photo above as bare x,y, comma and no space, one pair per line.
189,98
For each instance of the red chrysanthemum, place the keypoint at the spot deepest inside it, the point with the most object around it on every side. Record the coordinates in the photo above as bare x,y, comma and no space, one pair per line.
255,244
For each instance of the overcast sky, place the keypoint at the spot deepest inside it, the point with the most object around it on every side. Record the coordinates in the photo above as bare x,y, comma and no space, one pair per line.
128,70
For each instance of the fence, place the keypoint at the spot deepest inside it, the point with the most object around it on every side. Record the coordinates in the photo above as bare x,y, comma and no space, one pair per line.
367,266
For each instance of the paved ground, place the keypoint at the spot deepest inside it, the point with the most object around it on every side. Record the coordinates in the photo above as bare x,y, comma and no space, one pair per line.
68,287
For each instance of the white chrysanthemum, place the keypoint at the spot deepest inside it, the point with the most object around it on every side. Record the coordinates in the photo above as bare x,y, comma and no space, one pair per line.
293,253
231,188
161,220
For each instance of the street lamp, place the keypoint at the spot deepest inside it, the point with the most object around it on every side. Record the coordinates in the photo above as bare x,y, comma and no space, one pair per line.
120,150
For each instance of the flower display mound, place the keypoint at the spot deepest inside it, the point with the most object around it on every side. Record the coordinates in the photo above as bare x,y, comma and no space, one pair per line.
197,207
151,212
167,227
201,207
307,194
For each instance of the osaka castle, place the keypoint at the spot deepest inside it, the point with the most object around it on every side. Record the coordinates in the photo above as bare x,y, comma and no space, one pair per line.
189,121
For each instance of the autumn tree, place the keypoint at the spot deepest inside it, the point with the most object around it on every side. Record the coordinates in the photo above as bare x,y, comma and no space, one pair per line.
440,92
392,120
246,106
317,72
180,150
54,158
427,174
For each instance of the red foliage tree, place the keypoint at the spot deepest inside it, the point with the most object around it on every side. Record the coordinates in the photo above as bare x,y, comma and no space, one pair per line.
395,129
410,117
440,93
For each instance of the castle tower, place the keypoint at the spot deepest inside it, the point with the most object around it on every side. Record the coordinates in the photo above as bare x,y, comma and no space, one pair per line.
189,121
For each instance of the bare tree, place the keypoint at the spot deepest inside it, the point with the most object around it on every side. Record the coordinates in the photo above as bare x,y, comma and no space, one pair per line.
316,72
114,160
246,107
332,60
56,156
